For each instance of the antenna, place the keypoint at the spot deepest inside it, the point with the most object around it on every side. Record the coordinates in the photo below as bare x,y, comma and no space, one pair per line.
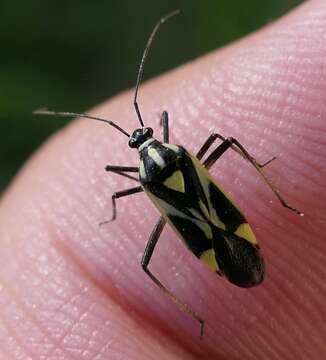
145,53
139,79
72,114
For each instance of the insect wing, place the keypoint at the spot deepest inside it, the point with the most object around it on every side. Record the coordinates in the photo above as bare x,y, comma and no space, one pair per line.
206,220
177,193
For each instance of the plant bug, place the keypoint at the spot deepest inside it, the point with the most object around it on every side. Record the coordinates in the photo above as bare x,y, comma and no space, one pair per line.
189,199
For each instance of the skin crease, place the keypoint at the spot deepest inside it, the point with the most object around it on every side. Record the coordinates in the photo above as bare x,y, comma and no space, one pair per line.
72,290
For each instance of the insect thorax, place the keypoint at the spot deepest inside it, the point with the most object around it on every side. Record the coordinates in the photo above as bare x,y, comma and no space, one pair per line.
158,160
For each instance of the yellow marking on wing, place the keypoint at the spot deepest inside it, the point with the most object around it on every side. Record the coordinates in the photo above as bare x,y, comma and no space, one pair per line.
196,214
208,257
175,182
204,209
203,174
161,205
216,220
167,209
244,230
205,179
206,228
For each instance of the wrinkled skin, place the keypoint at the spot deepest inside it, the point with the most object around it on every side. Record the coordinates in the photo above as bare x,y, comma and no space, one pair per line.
72,290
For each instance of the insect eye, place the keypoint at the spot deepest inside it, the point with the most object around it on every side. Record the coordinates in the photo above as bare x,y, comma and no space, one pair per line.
132,142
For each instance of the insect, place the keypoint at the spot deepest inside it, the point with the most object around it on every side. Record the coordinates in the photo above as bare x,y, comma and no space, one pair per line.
189,198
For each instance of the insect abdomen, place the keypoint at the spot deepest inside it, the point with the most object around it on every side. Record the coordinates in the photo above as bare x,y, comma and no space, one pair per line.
238,259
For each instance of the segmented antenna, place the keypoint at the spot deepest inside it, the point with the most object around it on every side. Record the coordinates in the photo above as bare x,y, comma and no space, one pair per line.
72,114
142,63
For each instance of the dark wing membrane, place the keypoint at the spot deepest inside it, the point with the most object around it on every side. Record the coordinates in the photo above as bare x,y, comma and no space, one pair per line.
234,244
192,234
238,259
228,214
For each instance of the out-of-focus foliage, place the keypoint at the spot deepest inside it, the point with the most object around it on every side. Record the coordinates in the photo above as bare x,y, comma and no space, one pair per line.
71,55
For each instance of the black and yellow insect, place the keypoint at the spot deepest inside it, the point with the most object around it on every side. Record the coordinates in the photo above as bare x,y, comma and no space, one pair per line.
190,200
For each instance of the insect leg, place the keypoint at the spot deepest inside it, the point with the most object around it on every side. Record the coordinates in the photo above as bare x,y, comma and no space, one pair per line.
207,144
118,195
211,139
145,262
226,144
121,170
165,124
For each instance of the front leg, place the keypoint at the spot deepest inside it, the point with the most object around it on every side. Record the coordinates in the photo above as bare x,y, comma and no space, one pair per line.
118,195
122,170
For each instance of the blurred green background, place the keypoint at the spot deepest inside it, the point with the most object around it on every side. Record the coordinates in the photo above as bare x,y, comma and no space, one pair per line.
71,55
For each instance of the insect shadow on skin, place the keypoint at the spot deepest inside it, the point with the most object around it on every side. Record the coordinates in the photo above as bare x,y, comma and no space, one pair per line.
189,199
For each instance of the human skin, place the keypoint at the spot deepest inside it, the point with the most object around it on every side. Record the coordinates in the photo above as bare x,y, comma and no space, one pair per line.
72,290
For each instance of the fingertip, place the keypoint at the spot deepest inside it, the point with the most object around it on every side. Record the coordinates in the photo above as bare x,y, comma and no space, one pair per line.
266,90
